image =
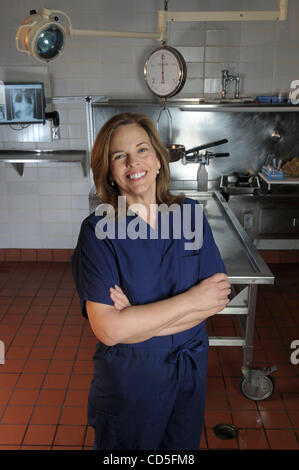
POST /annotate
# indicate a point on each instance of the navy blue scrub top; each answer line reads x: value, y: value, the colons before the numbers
x: 147, y: 270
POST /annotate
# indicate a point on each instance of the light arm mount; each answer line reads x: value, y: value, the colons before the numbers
x: 44, y: 35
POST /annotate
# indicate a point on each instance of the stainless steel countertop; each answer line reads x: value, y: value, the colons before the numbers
x: 243, y: 262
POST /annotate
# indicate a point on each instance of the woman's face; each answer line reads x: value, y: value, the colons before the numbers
x: 134, y: 164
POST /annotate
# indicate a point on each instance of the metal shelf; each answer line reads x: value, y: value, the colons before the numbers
x: 18, y: 158
x: 200, y: 104
x: 239, y: 107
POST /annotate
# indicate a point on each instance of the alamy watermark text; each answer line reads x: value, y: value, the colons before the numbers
x: 186, y: 222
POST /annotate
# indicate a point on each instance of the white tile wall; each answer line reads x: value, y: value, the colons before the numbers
x: 214, y: 69
x: 225, y: 37
x: 44, y: 208
x: 222, y: 54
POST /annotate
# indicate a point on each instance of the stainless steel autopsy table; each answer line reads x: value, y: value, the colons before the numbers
x: 245, y: 269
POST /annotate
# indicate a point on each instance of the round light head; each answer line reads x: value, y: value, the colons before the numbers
x: 41, y: 37
x: 47, y: 42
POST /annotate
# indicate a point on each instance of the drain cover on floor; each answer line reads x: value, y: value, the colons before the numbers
x: 225, y: 431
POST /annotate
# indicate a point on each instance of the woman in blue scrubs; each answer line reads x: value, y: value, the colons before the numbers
x: 146, y: 282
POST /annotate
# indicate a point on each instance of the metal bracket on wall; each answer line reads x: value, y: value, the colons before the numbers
x: 19, y: 167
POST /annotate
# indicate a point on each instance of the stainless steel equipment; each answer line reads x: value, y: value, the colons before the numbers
x: 196, y: 155
x: 248, y: 130
x: 239, y: 184
x: 271, y: 221
x: 267, y: 210
x: 178, y: 152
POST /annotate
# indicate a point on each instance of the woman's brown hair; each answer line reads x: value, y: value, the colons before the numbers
x: 100, y: 159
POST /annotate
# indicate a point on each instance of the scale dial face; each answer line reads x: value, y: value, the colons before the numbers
x: 165, y: 72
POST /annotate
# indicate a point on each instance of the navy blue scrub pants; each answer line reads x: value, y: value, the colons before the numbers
x: 150, y: 395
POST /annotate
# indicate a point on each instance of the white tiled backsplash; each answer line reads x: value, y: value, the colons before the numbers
x: 44, y: 208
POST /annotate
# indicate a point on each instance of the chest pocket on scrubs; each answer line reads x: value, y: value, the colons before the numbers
x: 189, y: 264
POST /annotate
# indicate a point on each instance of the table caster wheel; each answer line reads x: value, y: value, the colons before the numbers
x: 260, y: 390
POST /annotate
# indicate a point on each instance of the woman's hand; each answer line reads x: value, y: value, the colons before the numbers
x: 211, y: 293
x: 120, y: 300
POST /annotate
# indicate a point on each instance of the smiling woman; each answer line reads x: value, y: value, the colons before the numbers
x: 146, y: 298
x: 106, y: 159
x: 134, y: 164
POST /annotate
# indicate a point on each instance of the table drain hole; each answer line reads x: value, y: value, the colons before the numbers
x: 225, y: 431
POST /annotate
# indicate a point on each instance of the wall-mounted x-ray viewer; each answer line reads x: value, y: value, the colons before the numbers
x: 22, y: 103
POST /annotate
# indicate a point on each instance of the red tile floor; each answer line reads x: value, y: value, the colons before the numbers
x: 48, y: 364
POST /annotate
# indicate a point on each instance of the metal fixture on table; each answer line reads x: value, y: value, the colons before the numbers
x: 195, y: 155
x: 178, y: 152
x: 238, y: 184
x: 230, y: 78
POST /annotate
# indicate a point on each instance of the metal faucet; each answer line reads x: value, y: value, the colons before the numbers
x: 225, y: 78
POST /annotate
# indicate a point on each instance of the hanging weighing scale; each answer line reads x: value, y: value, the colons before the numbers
x: 165, y: 74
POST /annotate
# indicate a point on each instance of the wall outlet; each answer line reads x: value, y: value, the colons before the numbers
x: 55, y: 133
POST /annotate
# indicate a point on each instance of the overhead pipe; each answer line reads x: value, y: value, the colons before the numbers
x: 166, y: 16
x: 283, y: 6
x: 104, y: 33
x: 280, y: 15
x: 190, y: 16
